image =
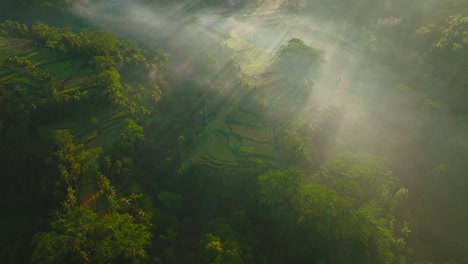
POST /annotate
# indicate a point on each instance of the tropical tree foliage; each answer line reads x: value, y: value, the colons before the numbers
x: 300, y: 64
x: 347, y: 207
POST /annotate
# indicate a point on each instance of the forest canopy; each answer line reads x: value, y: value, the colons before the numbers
x: 294, y: 131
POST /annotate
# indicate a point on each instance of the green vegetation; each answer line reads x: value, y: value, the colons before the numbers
x: 300, y: 64
x: 255, y: 133
x: 234, y: 132
x: 254, y: 60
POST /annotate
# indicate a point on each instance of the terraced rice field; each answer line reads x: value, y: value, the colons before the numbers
x: 256, y: 148
x: 64, y: 69
x: 255, y: 133
x: 104, y: 132
x: 237, y: 138
x: 215, y: 152
x: 14, y: 47
x: 69, y: 70
x: 254, y: 37
x: 218, y: 149
x: 235, y: 141
x: 92, y: 128
x: 71, y: 73
x: 244, y: 118
x: 254, y: 61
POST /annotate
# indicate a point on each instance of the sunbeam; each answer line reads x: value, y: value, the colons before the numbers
x: 233, y: 131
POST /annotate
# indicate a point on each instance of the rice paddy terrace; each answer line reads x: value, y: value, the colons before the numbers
x: 239, y: 137
x: 93, y: 127
x: 235, y: 142
x: 71, y: 75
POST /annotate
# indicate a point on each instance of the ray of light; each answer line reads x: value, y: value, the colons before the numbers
x: 253, y: 37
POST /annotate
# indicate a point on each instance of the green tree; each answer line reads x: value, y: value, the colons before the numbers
x: 352, y: 202
x: 67, y: 157
x: 361, y: 177
x: 43, y: 34
x: 131, y: 134
x: 120, y: 239
x: 170, y: 201
x: 11, y: 28
x: 71, y: 239
x: 299, y: 149
x: 72, y: 162
x: 222, y: 244
x: 80, y: 236
x: 109, y: 81
x: 103, y: 63
x: 300, y: 64
x: 100, y: 43
x: 343, y: 213
x: 219, y: 251
x: 445, y: 55
x: 277, y: 188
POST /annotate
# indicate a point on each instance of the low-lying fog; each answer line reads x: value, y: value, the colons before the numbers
x: 347, y: 77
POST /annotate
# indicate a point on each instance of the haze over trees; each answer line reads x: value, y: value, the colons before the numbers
x: 233, y: 131
x: 300, y: 64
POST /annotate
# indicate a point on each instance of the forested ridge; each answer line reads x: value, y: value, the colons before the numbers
x: 294, y: 131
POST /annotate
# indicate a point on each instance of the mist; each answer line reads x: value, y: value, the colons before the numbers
x: 243, y: 131
x: 189, y: 36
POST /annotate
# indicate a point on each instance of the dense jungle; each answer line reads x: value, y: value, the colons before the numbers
x: 234, y: 131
